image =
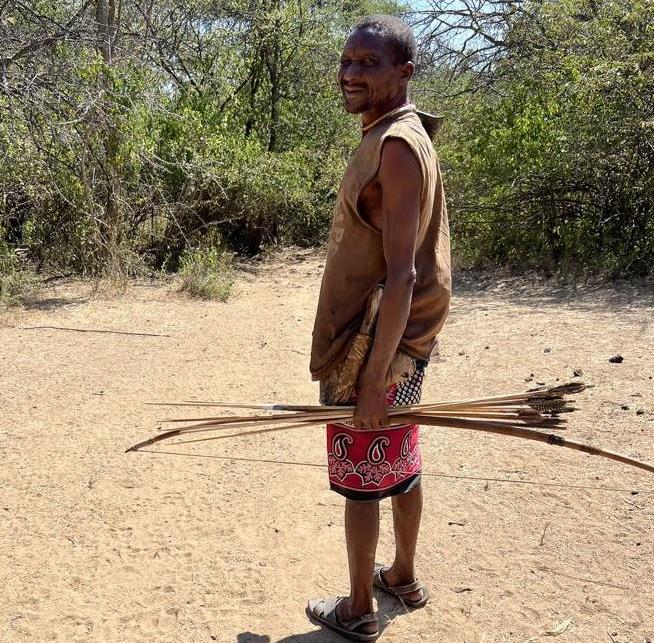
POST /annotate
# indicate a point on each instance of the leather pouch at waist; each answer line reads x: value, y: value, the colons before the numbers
x: 339, y: 385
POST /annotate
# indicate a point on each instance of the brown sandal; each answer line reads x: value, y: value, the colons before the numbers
x: 399, y: 591
x: 323, y: 612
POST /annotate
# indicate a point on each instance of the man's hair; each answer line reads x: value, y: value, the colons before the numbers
x: 396, y: 32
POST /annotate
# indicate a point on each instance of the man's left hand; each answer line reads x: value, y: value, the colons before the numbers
x: 371, y: 413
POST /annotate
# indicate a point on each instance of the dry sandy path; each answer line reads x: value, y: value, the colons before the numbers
x: 98, y: 545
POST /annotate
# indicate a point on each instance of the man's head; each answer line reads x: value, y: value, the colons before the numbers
x: 376, y: 64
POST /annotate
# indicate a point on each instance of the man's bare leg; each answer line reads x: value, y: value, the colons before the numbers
x: 361, y: 535
x: 407, y: 510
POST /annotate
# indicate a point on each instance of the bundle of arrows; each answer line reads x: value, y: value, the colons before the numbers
x: 531, y: 415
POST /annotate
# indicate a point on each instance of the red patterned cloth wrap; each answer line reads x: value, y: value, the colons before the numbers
x: 372, y: 465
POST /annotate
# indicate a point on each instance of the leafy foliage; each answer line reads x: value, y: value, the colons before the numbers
x: 129, y: 138
x: 207, y: 274
x: 553, y: 165
x: 17, y: 280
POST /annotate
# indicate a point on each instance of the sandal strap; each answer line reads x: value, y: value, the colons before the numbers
x: 406, y: 589
x: 329, y: 606
x: 361, y: 620
x: 396, y: 590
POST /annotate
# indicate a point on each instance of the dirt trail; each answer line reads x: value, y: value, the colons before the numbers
x: 222, y: 545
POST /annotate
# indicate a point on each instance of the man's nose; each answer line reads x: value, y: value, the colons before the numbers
x: 351, y: 72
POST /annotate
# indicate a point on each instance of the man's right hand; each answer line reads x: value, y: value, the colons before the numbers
x: 371, y: 412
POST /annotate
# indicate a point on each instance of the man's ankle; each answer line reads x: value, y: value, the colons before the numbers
x: 400, y: 574
x: 353, y: 608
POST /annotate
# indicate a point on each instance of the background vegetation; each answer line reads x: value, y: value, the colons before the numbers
x: 168, y: 134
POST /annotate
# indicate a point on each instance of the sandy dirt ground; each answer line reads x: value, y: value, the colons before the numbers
x: 225, y: 541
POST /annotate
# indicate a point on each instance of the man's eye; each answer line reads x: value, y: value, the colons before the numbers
x: 369, y: 62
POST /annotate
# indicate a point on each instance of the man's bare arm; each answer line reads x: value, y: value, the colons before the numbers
x: 401, y: 182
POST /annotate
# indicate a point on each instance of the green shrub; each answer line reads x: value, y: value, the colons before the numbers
x: 207, y: 274
x: 16, y: 287
x: 17, y: 281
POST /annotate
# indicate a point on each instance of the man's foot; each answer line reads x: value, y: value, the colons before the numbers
x: 336, y: 614
x: 410, y: 591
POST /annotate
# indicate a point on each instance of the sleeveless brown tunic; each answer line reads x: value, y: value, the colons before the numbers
x: 355, y: 257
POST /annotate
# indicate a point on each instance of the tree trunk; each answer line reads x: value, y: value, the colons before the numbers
x: 254, y: 88
x: 105, y: 15
x: 274, y: 108
x: 273, y: 62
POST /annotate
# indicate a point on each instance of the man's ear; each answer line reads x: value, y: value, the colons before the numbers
x: 407, y: 71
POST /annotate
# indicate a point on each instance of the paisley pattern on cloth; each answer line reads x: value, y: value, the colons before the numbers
x: 371, y: 465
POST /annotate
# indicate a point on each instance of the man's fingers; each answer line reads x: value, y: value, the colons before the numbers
x: 363, y: 423
x: 370, y: 423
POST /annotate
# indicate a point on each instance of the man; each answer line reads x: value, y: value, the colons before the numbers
x: 389, y: 227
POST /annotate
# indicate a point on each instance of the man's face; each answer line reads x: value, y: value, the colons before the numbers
x: 369, y: 75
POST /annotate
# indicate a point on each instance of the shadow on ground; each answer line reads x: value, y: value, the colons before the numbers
x: 535, y: 291
x: 53, y: 303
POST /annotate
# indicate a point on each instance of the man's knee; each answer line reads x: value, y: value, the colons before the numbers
x: 409, y: 498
